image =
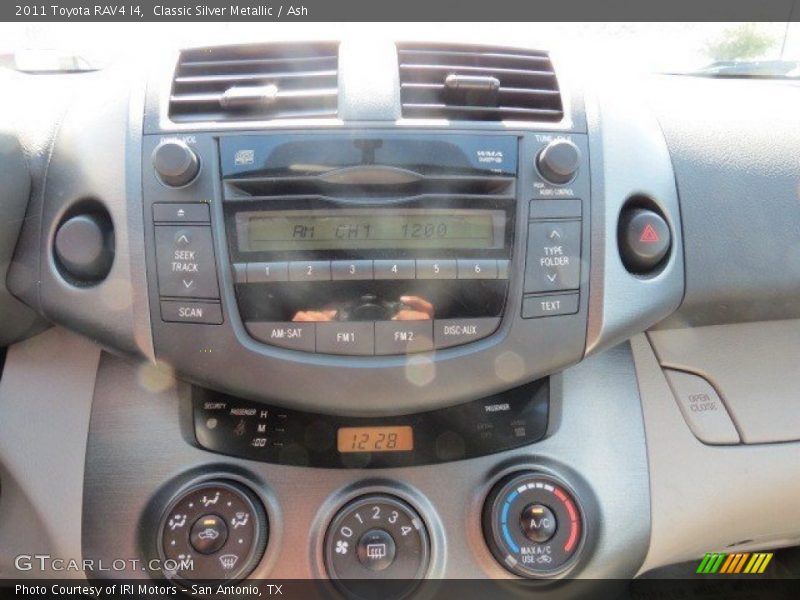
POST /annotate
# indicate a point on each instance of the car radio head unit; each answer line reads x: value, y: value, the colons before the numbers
x: 370, y: 245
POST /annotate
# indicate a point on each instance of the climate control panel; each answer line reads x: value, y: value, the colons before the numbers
x: 376, y: 537
x: 533, y: 525
x: 215, y: 530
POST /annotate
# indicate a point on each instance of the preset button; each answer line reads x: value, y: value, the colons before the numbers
x: 314, y: 270
x: 267, y: 272
x: 477, y: 269
x: 395, y: 269
x: 351, y: 270
x: 436, y: 269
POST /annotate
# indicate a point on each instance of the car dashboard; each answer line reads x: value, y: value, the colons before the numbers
x: 394, y: 312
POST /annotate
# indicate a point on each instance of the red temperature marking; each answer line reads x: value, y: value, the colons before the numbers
x: 573, y: 536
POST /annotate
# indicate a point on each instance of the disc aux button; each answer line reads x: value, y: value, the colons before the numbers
x: 454, y: 332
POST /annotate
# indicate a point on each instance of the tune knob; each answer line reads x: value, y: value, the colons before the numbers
x: 558, y: 162
x: 175, y: 163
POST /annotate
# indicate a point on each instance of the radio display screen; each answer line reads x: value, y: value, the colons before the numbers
x: 354, y: 229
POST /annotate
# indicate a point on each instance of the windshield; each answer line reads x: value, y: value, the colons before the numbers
x: 719, y: 49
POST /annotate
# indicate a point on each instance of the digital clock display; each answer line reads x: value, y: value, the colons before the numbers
x: 375, y: 439
x: 349, y: 229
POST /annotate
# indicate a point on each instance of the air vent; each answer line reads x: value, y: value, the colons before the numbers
x: 478, y: 83
x: 264, y: 82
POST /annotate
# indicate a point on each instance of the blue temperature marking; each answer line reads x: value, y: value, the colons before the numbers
x: 504, y: 522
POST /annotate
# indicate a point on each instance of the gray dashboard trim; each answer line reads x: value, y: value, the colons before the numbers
x: 754, y: 367
x: 607, y: 467
x: 16, y: 319
x: 703, y: 496
x: 629, y: 158
x: 45, y: 403
x: 734, y: 148
x: 97, y: 164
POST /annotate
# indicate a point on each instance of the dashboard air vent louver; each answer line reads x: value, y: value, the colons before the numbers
x: 264, y: 82
x: 477, y: 83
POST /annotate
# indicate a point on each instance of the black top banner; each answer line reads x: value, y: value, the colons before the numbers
x: 397, y: 10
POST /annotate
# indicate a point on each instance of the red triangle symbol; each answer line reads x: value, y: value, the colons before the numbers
x: 649, y: 235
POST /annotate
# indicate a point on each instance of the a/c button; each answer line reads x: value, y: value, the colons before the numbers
x: 453, y: 332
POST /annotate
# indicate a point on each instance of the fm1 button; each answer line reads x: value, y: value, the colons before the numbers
x: 538, y: 523
x: 376, y: 550
x: 644, y: 239
x: 209, y: 533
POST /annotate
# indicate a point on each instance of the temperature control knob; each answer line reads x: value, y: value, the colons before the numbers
x: 533, y: 525
x: 216, y: 530
x: 175, y: 163
x: 377, y: 544
x: 558, y: 162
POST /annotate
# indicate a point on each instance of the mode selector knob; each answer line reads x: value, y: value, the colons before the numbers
x: 175, y: 163
x: 558, y: 162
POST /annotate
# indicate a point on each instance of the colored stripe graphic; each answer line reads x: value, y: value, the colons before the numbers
x: 767, y: 558
x: 740, y: 562
x: 702, y: 566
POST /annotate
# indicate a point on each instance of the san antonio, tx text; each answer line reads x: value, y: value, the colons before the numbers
x: 146, y: 590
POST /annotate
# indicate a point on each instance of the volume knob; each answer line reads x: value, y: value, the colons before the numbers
x: 176, y: 163
x: 558, y: 161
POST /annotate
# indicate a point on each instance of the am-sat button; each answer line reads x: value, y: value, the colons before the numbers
x: 295, y: 336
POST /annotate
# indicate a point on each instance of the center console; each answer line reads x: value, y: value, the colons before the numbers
x: 362, y: 305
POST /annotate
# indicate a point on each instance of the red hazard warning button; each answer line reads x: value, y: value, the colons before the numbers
x: 644, y: 239
x: 649, y: 235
